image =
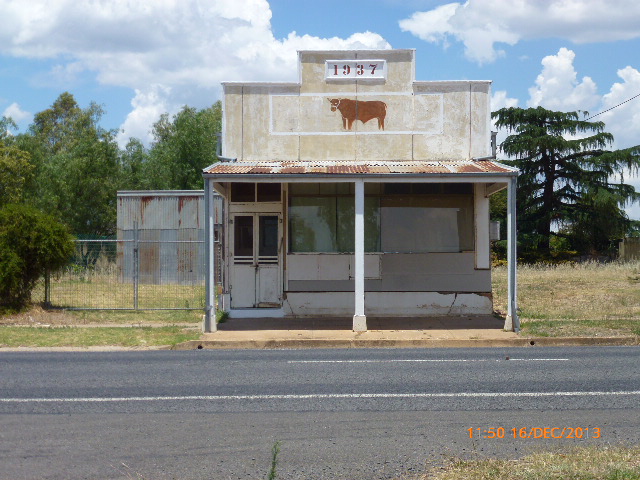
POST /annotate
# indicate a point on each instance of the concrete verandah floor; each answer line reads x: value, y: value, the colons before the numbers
x: 340, y: 329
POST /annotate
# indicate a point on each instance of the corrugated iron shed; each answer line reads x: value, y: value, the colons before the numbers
x: 170, y: 235
x: 163, y: 209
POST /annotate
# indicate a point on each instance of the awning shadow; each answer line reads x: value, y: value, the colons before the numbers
x: 482, y: 322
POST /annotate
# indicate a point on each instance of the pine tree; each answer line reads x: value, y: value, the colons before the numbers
x: 568, y: 177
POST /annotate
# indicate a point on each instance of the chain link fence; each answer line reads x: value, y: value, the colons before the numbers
x: 140, y: 273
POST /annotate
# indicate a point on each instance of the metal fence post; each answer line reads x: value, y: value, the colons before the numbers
x: 136, y: 264
x: 47, y: 290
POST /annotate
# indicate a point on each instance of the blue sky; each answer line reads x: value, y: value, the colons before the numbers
x: 140, y: 59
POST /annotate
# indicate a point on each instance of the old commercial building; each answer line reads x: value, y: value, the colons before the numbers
x: 358, y: 191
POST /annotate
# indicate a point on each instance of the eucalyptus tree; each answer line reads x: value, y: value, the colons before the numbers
x: 183, y: 145
x: 77, y: 169
x: 15, y: 165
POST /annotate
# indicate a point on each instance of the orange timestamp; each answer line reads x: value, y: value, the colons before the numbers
x: 535, y: 432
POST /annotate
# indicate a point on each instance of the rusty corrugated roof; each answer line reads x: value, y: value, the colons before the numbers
x: 358, y: 167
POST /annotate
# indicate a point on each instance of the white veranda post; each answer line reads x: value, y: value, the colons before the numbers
x: 512, y: 322
x: 359, y: 318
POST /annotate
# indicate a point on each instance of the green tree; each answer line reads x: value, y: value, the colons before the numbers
x: 133, y: 164
x: 6, y: 124
x: 599, y: 224
x: 566, y: 174
x: 31, y: 244
x: 77, y: 166
x: 183, y: 145
x: 15, y: 166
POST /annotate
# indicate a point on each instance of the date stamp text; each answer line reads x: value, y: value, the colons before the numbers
x: 535, y: 432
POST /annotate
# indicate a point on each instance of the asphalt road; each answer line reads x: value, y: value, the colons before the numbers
x: 338, y: 414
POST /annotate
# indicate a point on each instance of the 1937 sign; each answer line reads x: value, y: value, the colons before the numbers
x: 356, y: 69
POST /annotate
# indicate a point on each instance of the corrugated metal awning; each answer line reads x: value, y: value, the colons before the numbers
x: 359, y: 168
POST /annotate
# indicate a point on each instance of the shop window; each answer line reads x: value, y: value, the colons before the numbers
x: 405, y: 218
x: 312, y: 224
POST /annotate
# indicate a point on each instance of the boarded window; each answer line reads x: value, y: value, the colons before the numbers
x: 251, y: 192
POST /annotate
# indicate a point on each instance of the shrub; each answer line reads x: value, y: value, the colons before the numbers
x: 31, y: 244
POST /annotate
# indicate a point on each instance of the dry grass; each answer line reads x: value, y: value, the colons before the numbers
x: 36, y: 316
x: 584, y: 463
x: 99, y: 290
x: 99, y: 336
x: 587, y: 299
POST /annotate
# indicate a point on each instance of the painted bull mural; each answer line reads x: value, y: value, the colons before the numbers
x: 353, y: 110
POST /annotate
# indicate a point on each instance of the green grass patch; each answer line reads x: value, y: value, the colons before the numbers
x: 94, y: 336
x: 221, y: 316
x: 584, y: 463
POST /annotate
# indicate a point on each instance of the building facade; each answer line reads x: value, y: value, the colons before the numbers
x: 358, y: 191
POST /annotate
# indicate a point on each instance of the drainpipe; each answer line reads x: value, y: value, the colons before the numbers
x: 494, y: 149
x: 219, y: 150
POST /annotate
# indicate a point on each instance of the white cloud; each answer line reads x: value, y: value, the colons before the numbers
x: 623, y: 121
x: 147, y: 105
x: 557, y: 87
x: 480, y: 25
x: 500, y: 100
x: 183, y: 47
x: 16, y: 113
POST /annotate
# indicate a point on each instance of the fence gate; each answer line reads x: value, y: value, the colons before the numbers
x: 139, y: 273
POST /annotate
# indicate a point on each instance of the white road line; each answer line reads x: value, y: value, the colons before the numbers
x: 434, y: 360
x: 321, y: 396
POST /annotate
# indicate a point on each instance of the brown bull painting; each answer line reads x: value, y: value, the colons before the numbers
x: 353, y: 110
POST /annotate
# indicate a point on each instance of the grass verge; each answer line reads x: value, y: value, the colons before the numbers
x: 37, y: 316
x: 580, y: 463
x: 91, y: 337
x: 580, y: 328
x: 585, y: 299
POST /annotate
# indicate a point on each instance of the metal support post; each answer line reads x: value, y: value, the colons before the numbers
x: 209, y: 323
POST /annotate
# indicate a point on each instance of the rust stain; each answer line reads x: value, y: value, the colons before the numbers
x: 469, y: 169
x: 492, y: 167
x: 144, y: 203
x: 261, y: 170
x: 379, y: 169
x: 292, y: 169
x: 348, y: 169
